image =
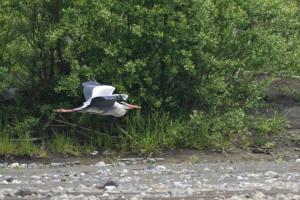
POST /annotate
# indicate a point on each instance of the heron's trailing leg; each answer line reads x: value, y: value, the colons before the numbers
x: 64, y: 110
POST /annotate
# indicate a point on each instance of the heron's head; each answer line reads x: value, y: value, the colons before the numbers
x: 128, y: 106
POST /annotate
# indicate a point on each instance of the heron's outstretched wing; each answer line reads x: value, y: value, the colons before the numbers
x: 103, y: 102
x: 93, y: 89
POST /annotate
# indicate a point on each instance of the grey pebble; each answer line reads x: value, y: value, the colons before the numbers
x: 109, y: 188
x: 100, y: 164
x: 25, y: 191
x: 9, y: 193
x: 58, y: 164
x: 151, y: 167
x: 160, y: 167
x: 35, y: 177
x: 13, y: 165
x: 99, y: 172
x: 48, y: 194
x: 189, y: 191
x: 32, y: 165
x: 110, y: 183
x: 10, y: 179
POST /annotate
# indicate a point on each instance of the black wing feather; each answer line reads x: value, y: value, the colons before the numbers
x: 102, y: 103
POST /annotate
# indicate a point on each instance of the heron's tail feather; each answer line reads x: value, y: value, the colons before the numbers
x: 64, y: 110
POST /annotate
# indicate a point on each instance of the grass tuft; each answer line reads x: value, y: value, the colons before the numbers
x: 147, y: 134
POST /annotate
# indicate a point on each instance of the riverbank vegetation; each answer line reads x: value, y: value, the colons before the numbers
x: 199, y: 69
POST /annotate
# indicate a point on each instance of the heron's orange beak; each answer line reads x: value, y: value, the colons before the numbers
x: 133, y: 106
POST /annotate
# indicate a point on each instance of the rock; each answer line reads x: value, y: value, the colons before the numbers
x: 35, y: 177
x: 8, y: 193
x: 241, y: 178
x: 125, y: 171
x: 206, y: 169
x: 4, y: 183
x: 142, y: 194
x: 94, y: 153
x: 224, y: 186
x: 99, y: 186
x: 110, y: 183
x: 23, y: 165
x: 258, y: 195
x: 280, y: 196
x: 13, y: 165
x: 160, y: 168
x: 63, y: 196
x: 151, y: 167
x: 189, y: 191
x: 100, y: 164
x: 105, y: 195
x: 177, y: 184
x: 170, y: 193
x: 272, y: 180
x: 81, y: 196
x: 25, y: 192
x: 128, y: 162
x: 75, y: 162
x: 32, y: 165
x: 48, y: 194
x: 81, y: 186
x: 10, y: 179
x: 60, y: 188
x: 110, y: 188
x: 58, y: 164
x: 99, y: 172
x: 298, y: 161
x: 290, y: 176
x: 270, y: 173
x: 5, y: 164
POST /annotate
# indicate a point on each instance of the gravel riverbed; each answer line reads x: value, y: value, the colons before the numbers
x: 245, y: 180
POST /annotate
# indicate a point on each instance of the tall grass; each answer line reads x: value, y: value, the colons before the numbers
x: 146, y: 134
x: 7, y: 146
x: 62, y: 143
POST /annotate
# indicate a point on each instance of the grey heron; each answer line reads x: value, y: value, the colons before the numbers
x: 101, y: 100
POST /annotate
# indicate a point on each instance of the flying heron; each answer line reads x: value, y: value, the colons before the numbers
x: 101, y: 100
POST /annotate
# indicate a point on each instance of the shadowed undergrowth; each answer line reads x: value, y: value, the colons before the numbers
x: 142, y: 134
